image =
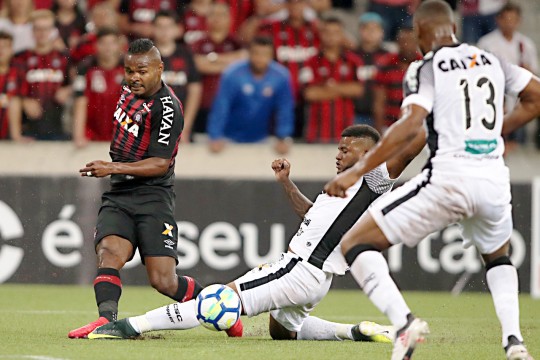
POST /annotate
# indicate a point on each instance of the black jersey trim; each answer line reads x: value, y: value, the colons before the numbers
x: 408, y: 196
x: 345, y: 220
x: 270, y: 277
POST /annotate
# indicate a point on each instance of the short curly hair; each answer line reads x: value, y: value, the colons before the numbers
x: 140, y: 46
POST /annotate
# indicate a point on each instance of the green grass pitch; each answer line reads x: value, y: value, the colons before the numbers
x: 35, y: 320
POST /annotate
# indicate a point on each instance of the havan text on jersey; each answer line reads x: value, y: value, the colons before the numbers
x: 166, y: 120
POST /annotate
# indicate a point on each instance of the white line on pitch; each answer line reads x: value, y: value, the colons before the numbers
x: 33, y: 357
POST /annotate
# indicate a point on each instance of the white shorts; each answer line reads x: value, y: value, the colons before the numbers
x: 290, y: 287
x: 431, y: 201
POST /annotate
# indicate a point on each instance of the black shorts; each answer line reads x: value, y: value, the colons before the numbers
x: 144, y: 215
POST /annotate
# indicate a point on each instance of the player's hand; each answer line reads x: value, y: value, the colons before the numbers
x: 282, y: 169
x: 339, y: 185
x: 97, y: 168
x: 217, y: 146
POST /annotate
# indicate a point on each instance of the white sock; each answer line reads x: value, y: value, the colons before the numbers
x: 502, y: 281
x: 370, y: 271
x: 177, y: 316
x: 314, y: 328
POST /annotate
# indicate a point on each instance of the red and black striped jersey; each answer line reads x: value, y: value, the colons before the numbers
x: 328, y: 118
x: 180, y: 71
x: 8, y: 89
x: 145, y: 128
x: 101, y: 87
x: 371, y: 61
x: 294, y: 46
x: 195, y: 27
x: 211, y: 82
x: 42, y: 75
x: 390, y: 78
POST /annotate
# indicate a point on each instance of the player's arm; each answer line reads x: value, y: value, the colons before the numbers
x: 320, y: 93
x: 398, y: 163
x: 300, y: 203
x: 150, y: 167
x: 527, y: 108
x: 398, y: 137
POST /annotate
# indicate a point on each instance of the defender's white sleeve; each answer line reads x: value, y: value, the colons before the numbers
x: 419, y: 85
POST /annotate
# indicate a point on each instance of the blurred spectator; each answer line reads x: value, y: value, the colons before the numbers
x: 213, y: 53
x: 195, y: 20
x: 240, y: 11
x: 478, y: 18
x: 514, y: 47
x: 180, y: 71
x: 96, y: 88
x: 331, y: 84
x: 136, y: 16
x: 45, y: 84
x: 251, y: 93
x: 8, y: 86
x: 373, y: 55
x: 396, y: 14
x: 102, y: 16
x: 91, y: 3
x: 17, y: 22
x: 70, y: 21
x: 388, y: 80
x: 296, y: 40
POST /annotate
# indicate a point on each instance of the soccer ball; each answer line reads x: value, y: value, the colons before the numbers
x: 218, y: 307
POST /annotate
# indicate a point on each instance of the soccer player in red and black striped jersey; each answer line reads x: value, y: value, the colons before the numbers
x: 138, y: 211
x: 388, y: 93
x: 97, y: 87
x: 8, y: 85
x: 331, y: 83
x: 45, y: 87
x: 180, y: 72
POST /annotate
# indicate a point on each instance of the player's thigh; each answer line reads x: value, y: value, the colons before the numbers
x: 284, y: 283
x: 115, y: 232
x: 157, y: 232
x: 491, y: 226
x: 423, y: 205
x: 292, y: 318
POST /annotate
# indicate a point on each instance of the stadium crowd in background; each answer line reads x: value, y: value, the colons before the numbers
x: 56, y: 80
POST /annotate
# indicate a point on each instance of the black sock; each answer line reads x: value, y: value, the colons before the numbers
x: 108, y: 288
x: 188, y: 288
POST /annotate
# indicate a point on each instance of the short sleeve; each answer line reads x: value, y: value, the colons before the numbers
x: 515, y: 78
x: 419, y: 85
x: 378, y: 180
x: 166, y: 127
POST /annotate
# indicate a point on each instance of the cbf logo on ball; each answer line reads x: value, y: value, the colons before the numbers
x: 218, y: 307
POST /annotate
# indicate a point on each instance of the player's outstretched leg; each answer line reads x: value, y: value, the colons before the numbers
x: 177, y: 316
x: 314, y: 328
x: 503, y: 284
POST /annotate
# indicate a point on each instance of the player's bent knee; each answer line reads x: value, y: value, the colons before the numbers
x: 503, y: 260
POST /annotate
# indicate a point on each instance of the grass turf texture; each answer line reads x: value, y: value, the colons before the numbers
x: 35, y: 320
